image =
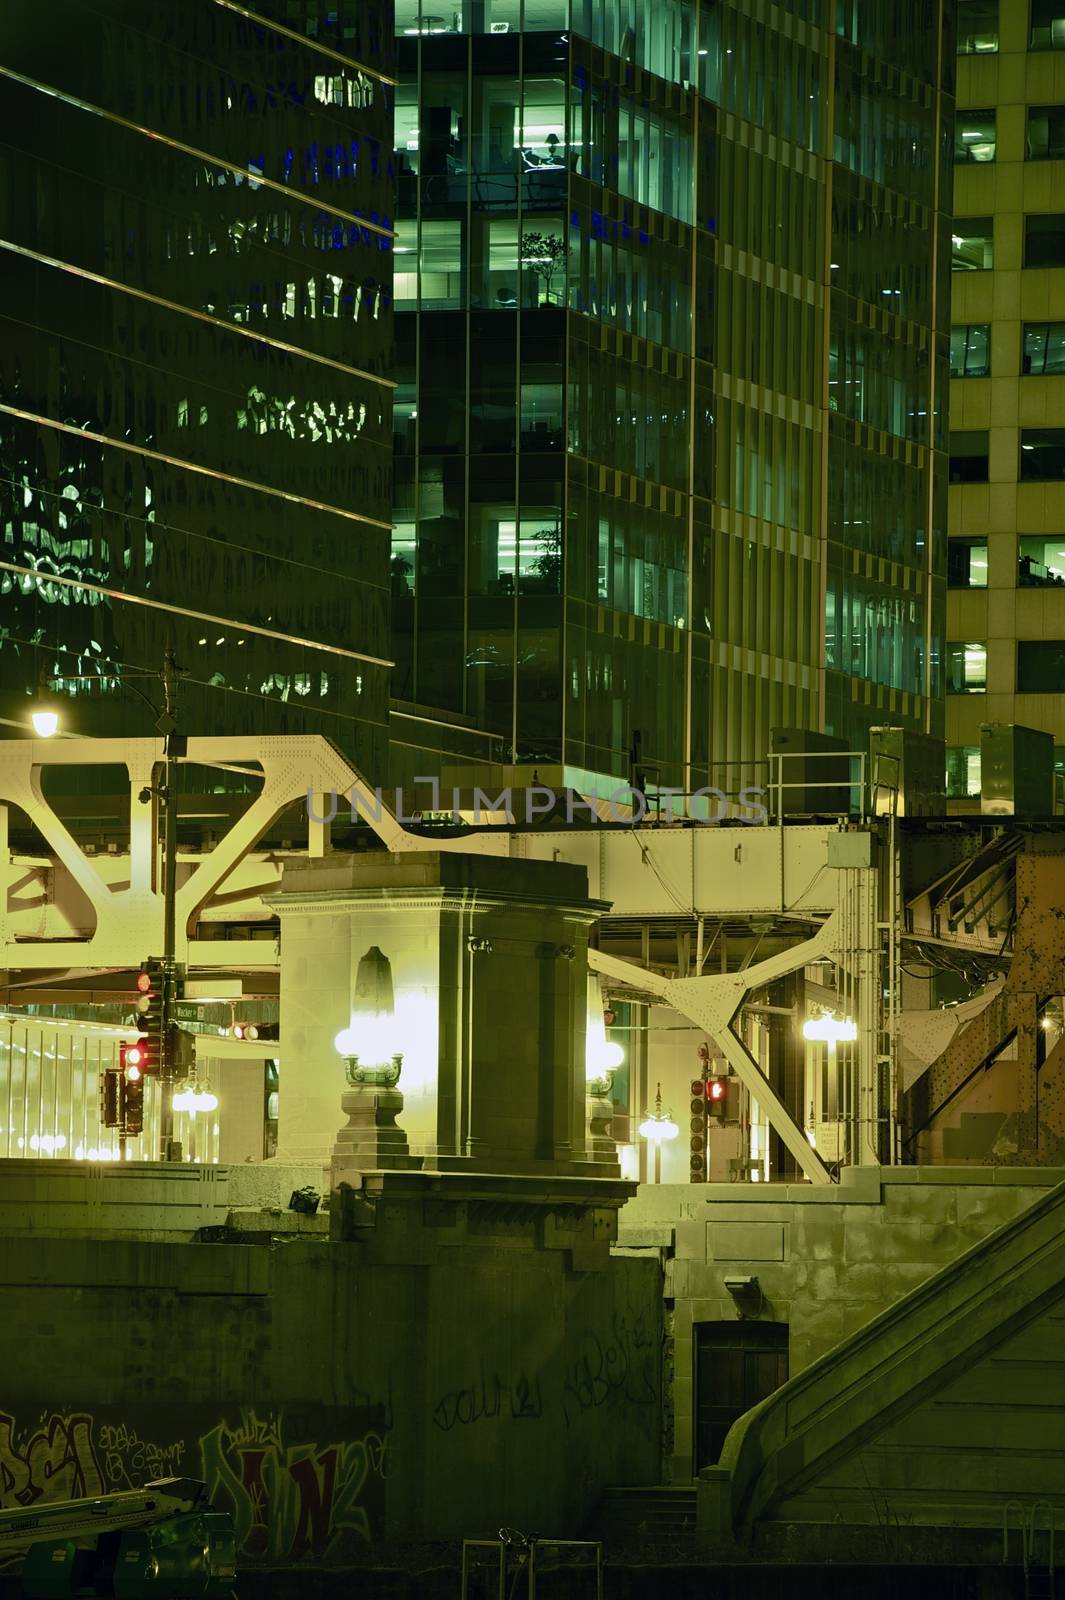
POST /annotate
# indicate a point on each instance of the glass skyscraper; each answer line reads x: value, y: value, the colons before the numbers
x: 195, y: 390
x: 671, y: 295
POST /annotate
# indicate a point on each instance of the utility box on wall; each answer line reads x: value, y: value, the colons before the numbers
x: 907, y: 771
x: 1016, y: 771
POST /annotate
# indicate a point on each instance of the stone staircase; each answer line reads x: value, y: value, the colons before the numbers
x: 933, y: 1415
x: 649, y: 1516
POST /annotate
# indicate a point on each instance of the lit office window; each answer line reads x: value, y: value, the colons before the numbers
x: 969, y: 456
x: 1048, y: 25
x: 1044, y: 240
x: 966, y: 667
x: 1046, y: 133
x: 405, y: 282
x: 970, y: 350
x: 1041, y: 562
x: 972, y: 244
x: 974, y: 135
x: 1043, y: 349
x: 1041, y: 666
x: 967, y: 563
x: 1042, y: 455
x: 977, y: 27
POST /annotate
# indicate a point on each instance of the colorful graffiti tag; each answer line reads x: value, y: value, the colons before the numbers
x: 53, y: 1460
x: 291, y: 1502
x: 293, y: 1498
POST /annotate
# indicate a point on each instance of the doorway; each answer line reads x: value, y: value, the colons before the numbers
x: 736, y: 1365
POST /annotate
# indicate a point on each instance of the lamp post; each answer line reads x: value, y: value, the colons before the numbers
x: 45, y: 721
x: 372, y: 1140
x: 193, y: 1097
x: 831, y: 1030
x: 602, y: 1058
x: 658, y: 1128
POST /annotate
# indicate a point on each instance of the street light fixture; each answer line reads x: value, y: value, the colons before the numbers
x: 830, y: 1029
x: 45, y: 722
x: 368, y: 1044
x: 658, y: 1128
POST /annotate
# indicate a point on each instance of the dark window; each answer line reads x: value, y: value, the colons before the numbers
x: 972, y: 244
x: 736, y: 1365
x: 974, y: 135
x: 1044, y: 240
x: 966, y: 666
x: 970, y: 350
x: 1043, y: 349
x: 977, y: 27
x: 1041, y: 666
x: 1048, y: 25
x: 968, y: 457
x: 1042, y: 455
x: 967, y: 563
x: 1041, y: 563
x: 1046, y: 133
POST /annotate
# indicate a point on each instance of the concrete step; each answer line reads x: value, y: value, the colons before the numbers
x: 665, y: 1512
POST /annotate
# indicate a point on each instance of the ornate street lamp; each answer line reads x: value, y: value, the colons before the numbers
x: 658, y: 1128
x: 368, y: 1043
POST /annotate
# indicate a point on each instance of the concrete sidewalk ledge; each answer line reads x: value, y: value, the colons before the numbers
x: 662, y: 1204
x: 149, y: 1200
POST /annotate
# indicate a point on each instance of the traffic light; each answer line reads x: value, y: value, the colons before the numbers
x: 131, y: 1101
x: 697, y: 1146
x: 151, y: 986
x: 716, y: 1098
x: 110, y: 1093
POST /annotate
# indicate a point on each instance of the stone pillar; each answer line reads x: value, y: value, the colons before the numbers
x: 489, y: 966
x: 315, y: 1004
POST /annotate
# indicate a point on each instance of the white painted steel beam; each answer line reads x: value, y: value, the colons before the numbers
x: 112, y: 916
x: 712, y: 1004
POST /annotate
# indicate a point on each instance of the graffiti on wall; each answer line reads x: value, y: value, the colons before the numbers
x: 489, y: 1395
x: 299, y: 1490
x: 292, y: 1502
x: 128, y: 1460
x: 53, y: 1459
x: 617, y: 1364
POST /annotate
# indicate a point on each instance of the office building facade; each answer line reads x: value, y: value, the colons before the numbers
x: 671, y: 295
x: 195, y: 412
x: 1006, y: 605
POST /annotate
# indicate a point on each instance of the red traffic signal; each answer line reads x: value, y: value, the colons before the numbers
x: 144, y: 981
x: 139, y: 1059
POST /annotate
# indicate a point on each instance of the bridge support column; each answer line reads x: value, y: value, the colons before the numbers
x: 488, y: 1009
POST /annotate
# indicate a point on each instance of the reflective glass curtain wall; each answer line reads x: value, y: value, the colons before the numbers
x: 625, y: 331
x: 195, y: 387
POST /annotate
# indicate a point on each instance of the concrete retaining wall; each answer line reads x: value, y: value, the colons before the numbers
x: 336, y: 1405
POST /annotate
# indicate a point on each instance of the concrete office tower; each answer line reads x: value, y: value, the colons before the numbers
x: 195, y: 235
x: 671, y: 321
x: 1006, y: 606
